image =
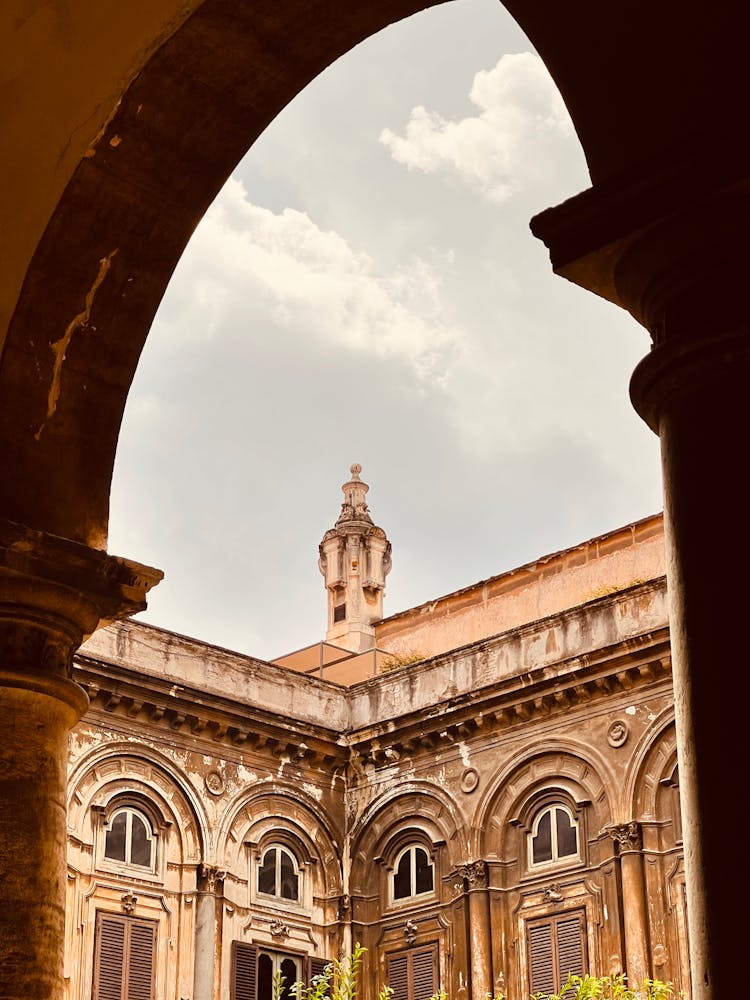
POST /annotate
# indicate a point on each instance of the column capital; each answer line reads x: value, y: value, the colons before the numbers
x: 475, y: 872
x: 628, y: 837
x: 54, y: 593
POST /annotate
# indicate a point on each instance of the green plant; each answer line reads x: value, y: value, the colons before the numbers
x: 609, y: 988
x: 338, y: 981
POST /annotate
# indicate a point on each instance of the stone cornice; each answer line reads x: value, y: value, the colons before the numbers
x: 520, y: 700
x: 516, y: 700
x: 210, y: 718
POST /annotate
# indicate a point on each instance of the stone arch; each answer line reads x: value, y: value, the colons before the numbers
x: 413, y: 808
x: 654, y: 762
x: 138, y: 175
x: 127, y: 770
x: 574, y: 770
x: 280, y: 811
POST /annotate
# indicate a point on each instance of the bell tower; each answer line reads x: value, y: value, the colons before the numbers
x: 355, y: 558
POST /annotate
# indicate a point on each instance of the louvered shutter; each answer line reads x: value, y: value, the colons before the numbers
x: 109, y: 957
x: 569, y: 946
x: 424, y: 973
x: 413, y: 974
x: 316, y: 967
x: 557, y: 949
x: 541, y: 958
x: 244, y: 971
x: 124, y: 958
x: 141, y: 952
x: 398, y: 976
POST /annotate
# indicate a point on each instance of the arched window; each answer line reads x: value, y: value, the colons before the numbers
x: 553, y: 837
x: 130, y: 839
x: 413, y: 873
x: 278, y: 873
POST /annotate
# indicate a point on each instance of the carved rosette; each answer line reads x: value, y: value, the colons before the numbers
x: 475, y: 873
x: 627, y: 836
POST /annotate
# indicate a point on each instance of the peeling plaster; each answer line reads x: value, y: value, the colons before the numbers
x: 60, y: 347
x: 312, y: 790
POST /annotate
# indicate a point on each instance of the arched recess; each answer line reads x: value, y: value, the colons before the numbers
x: 125, y: 772
x: 183, y: 100
x: 415, y: 808
x: 279, y: 813
x: 653, y: 782
x: 578, y: 775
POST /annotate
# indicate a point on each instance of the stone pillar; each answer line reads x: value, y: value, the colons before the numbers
x: 53, y: 593
x: 628, y: 843
x: 480, y: 944
x: 668, y: 241
x: 208, y: 909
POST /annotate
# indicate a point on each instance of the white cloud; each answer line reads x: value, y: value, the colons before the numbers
x: 521, y: 129
x: 297, y: 276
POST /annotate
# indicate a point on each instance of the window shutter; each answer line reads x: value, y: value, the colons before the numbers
x: 124, y: 958
x: 244, y: 971
x: 569, y: 947
x: 541, y: 963
x: 413, y: 974
x: 398, y: 976
x: 424, y: 973
x: 557, y: 948
x: 109, y: 957
x: 316, y: 967
x: 141, y: 961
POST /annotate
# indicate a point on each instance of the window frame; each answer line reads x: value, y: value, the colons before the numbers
x: 556, y: 860
x: 276, y: 897
x: 411, y: 849
x: 152, y: 837
x: 157, y: 827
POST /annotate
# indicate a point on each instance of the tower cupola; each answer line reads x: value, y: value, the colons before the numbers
x: 355, y: 558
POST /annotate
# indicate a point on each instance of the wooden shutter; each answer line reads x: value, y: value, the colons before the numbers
x: 398, y: 976
x: 244, y: 971
x: 424, y: 973
x: 557, y: 949
x: 413, y: 974
x: 316, y: 967
x: 124, y: 956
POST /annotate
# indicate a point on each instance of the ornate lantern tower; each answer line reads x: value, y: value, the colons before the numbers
x: 355, y: 558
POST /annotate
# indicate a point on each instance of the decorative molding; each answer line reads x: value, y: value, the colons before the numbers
x: 618, y: 733
x: 410, y: 932
x: 469, y: 780
x: 129, y: 901
x: 553, y: 894
x: 475, y: 872
x: 210, y: 877
x: 627, y: 836
x: 214, y: 781
x: 278, y: 929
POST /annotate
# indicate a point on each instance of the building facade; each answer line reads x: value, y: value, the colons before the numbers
x: 487, y: 798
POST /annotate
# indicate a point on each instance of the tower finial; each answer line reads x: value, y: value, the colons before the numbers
x: 355, y: 558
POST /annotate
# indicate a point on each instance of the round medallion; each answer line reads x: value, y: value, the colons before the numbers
x: 617, y: 733
x: 469, y: 780
x: 214, y: 782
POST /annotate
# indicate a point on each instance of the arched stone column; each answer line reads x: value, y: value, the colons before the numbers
x: 480, y: 945
x: 52, y: 594
x: 208, y: 924
x: 629, y: 844
x: 668, y: 242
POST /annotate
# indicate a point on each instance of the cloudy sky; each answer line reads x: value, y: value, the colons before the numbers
x: 366, y: 289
